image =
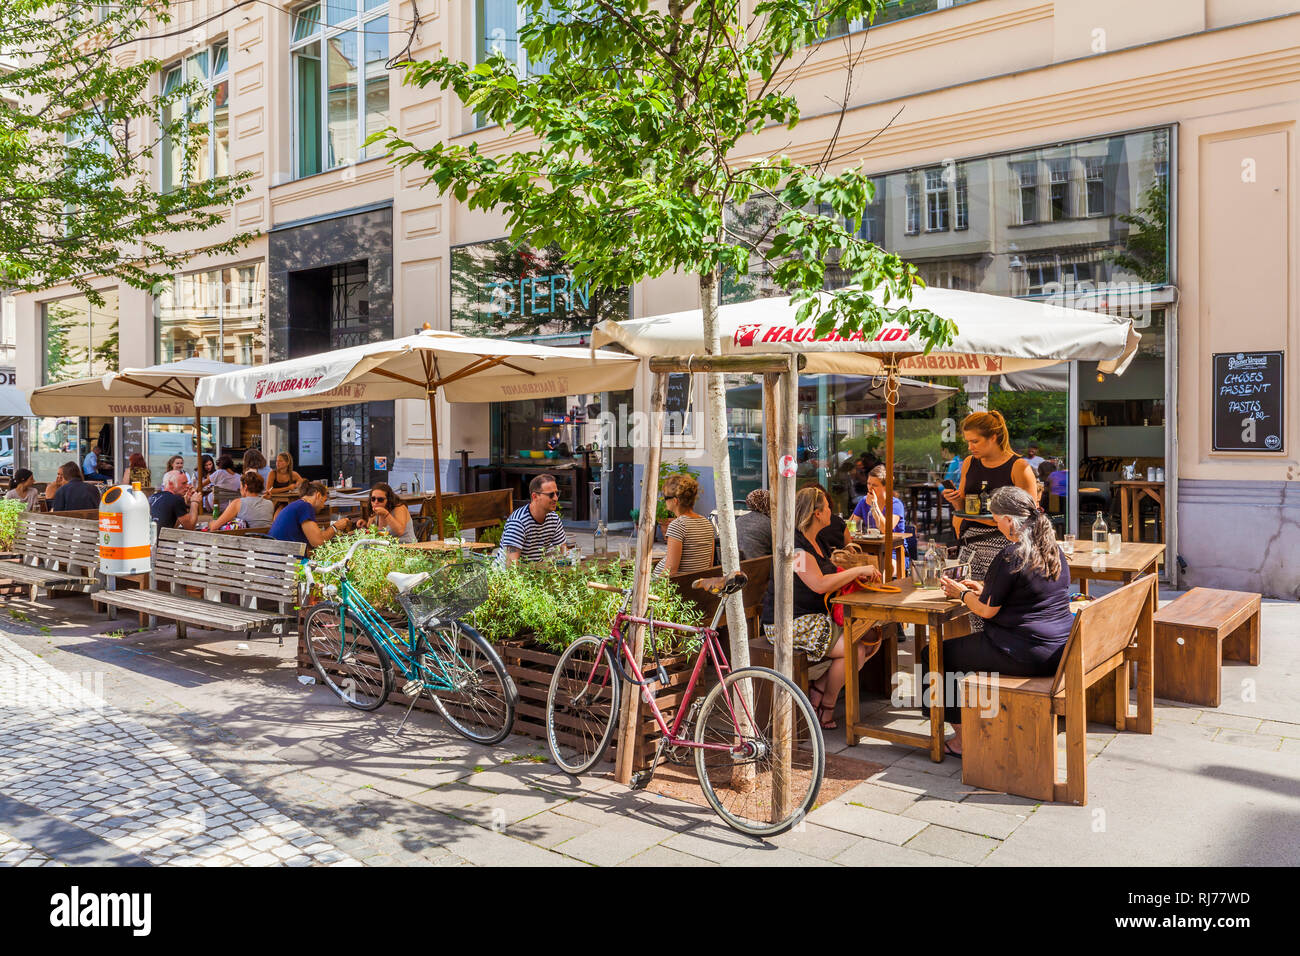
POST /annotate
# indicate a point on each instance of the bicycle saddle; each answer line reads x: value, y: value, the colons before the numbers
x: 732, y: 583
x: 404, y: 582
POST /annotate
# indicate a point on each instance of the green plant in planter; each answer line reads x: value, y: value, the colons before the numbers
x: 553, y: 606
x: 370, y: 566
x: 10, y: 511
x: 491, y: 535
x: 451, y: 524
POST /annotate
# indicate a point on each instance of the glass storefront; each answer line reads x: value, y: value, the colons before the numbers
x: 1082, y: 224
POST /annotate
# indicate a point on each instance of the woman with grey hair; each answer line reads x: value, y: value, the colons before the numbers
x: 1024, y: 602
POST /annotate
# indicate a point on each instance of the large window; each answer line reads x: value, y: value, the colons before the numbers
x: 340, y: 82
x: 80, y: 338
x: 217, y: 315
x: 206, y: 110
x: 893, y: 10
x: 497, y: 25
x: 936, y: 200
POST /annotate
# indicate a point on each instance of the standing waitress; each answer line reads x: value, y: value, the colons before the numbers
x: 992, y: 464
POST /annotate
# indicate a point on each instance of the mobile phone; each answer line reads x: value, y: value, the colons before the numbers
x: 947, y: 483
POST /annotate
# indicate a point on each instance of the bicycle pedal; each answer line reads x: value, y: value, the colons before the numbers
x: 412, y: 688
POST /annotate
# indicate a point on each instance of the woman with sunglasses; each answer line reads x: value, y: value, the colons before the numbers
x: 387, y: 513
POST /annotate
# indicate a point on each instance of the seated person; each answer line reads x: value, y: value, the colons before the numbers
x: 250, y: 509
x: 137, y: 469
x: 297, y: 520
x: 816, y: 579
x: 223, y: 477
x: 836, y: 533
x: 871, y: 509
x: 689, y: 534
x: 91, y: 468
x: 535, y: 528
x: 25, y: 489
x: 1024, y: 602
x: 73, y: 493
x: 388, y: 514
x: 282, y: 477
x: 1044, y: 476
x: 754, y: 527
x: 175, y: 504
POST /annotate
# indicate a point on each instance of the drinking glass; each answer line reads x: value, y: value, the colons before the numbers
x: 1067, y: 545
x: 1115, y: 541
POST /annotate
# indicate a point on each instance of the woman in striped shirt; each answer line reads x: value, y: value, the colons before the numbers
x: 690, y: 535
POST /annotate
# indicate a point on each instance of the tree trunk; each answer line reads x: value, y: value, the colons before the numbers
x: 718, y: 445
x: 742, y: 777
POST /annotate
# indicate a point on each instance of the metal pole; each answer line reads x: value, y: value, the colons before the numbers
x: 437, y: 468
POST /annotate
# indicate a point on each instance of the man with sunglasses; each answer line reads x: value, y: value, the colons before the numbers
x: 535, y: 528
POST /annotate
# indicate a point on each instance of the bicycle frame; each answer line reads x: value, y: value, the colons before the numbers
x: 393, y: 643
x: 712, y: 649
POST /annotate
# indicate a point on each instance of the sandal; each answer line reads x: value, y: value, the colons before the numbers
x: 826, y: 717
x: 947, y: 748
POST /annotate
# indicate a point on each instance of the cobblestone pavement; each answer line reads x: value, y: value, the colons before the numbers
x: 17, y: 853
x: 71, y: 757
x: 1209, y: 787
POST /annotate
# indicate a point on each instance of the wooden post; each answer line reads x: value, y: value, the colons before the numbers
x: 783, y: 576
x: 629, y: 720
x: 198, y: 451
x: 771, y: 415
x: 437, y: 467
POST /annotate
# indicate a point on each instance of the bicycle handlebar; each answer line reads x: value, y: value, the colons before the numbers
x: 602, y: 586
x: 341, y: 562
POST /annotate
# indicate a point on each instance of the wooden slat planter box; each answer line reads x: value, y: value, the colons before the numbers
x: 531, y: 668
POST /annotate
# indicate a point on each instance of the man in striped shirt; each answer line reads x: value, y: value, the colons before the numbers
x: 534, y: 528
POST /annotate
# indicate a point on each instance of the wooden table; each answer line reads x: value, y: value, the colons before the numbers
x: 1135, y: 559
x: 931, y: 612
x: 1131, y: 494
x: 876, y: 546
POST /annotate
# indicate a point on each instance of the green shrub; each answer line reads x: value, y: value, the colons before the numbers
x: 555, y: 607
x: 10, y: 510
x: 370, y: 566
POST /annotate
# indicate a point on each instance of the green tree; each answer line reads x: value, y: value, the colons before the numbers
x: 641, y: 114
x: 78, y: 132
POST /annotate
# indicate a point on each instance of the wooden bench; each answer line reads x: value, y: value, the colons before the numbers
x: 56, y: 552
x: 1195, y: 634
x: 759, y: 572
x: 1013, y: 749
x: 260, y: 573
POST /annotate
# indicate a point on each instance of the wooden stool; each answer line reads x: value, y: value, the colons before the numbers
x: 1194, y: 634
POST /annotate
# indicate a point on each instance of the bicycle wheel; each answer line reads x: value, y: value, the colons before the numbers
x: 349, y: 661
x: 582, y: 705
x: 482, y: 704
x: 742, y: 784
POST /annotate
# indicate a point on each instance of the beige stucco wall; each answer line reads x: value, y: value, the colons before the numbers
x: 984, y: 77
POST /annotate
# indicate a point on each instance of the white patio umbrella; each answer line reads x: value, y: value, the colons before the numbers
x: 157, y: 391
x: 465, y: 368
x: 13, y: 406
x: 995, y: 335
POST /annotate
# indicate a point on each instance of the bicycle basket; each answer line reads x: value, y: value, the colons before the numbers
x: 451, y: 593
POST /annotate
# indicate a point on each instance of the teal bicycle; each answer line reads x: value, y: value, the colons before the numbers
x: 358, y: 654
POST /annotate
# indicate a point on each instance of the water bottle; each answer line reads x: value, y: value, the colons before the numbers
x: 1099, y: 532
x: 340, y: 484
x: 933, y: 567
x: 600, y: 540
x: 984, y: 497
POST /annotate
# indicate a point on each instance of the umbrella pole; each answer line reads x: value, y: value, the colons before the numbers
x: 891, y: 399
x: 437, y: 468
x: 198, y: 449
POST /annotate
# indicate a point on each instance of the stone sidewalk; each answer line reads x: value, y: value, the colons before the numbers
x: 229, y: 718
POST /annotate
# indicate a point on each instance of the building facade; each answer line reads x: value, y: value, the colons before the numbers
x: 1133, y: 158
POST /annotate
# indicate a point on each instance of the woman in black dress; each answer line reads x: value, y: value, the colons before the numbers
x: 1023, y: 601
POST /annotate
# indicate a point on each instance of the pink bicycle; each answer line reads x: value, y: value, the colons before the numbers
x: 759, y: 753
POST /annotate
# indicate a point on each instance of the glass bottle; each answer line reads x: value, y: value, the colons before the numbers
x: 600, y: 540
x: 933, y: 567
x: 1099, y: 532
x: 984, y: 497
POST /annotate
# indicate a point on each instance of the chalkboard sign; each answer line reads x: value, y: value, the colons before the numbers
x: 1248, y: 401
x: 132, y: 436
x: 677, y: 404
